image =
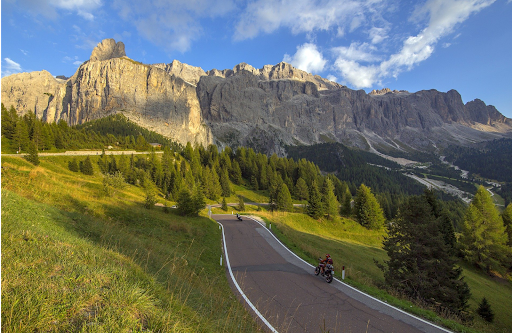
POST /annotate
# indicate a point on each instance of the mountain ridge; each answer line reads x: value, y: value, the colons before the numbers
x: 266, y: 108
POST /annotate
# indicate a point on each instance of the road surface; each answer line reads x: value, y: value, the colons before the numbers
x: 285, y: 291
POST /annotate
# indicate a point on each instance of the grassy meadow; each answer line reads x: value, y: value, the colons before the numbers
x: 74, y: 259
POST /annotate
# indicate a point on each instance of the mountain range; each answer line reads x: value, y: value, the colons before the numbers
x: 266, y: 109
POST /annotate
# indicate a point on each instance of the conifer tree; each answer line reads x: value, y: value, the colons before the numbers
x: 346, y: 208
x: 185, y: 203
x: 420, y: 263
x: 224, y: 204
x: 32, y: 156
x: 20, y: 138
x: 236, y: 173
x: 484, y: 236
x: 367, y: 209
x: 86, y: 167
x: 254, y: 183
x: 507, y: 221
x: 314, y: 208
x: 331, y: 204
x: 301, y: 189
x: 73, y: 165
x: 224, y: 183
x: 241, y: 204
x: 484, y: 310
x: 198, y: 200
x: 284, y: 199
x: 151, y: 194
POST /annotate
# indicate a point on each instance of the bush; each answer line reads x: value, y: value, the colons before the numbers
x: 73, y: 165
x: 112, y: 182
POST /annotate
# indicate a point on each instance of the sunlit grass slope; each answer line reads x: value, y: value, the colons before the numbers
x: 75, y: 260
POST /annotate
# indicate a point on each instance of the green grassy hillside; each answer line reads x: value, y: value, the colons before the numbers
x: 74, y: 259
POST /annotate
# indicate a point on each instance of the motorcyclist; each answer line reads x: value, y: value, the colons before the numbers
x: 324, y: 262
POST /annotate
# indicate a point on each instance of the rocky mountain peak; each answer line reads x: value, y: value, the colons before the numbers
x: 385, y: 91
x: 187, y: 73
x: 108, y: 49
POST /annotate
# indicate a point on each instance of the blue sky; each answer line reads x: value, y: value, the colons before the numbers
x: 365, y: 44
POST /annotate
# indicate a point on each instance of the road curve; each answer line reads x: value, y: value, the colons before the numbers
x: 285, y: 291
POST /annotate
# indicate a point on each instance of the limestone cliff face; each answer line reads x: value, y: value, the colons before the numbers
x: 264, y: 108
x: 267, y: 112
x: 108, y: 83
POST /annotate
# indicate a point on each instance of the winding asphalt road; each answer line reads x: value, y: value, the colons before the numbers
x: 285, y: 291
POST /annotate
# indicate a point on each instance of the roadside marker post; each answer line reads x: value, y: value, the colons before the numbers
x: 343, y: 273
x: 221, y: 259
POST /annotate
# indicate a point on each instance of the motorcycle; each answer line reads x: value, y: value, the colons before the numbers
x: 328, y: 271
x: 239, y: 217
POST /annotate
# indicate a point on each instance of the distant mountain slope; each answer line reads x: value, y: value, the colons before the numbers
x: 265, y: 108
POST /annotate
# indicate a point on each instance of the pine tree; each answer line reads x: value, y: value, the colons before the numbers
x: 507, y: 221
x: 32, y: 156
x: 20, y: 138
x: 420, y: 263
x: 151, y: 194
x: 73, y: 165
x: 484, y: 310
x: 185, y: 203
x: 224, y: 183
x: 198, y: 200
x: 241, y: 204
x: 314, y: 208
x: 484, y: 236
x: 284, y: 199
x: 346, y: 208
x: 254, y: 183
x: 224, y: 204
x: 86, y: 167
x: 331, y: 204
x: 236, y: 173
x: 301, y: 189
x: 9, y: 120
x: 367, y: 209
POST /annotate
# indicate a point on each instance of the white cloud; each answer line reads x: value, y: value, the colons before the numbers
x: 24, y: 52
x: 332, y: 78
x: 173, y: 25
x: 11, y: 67
x: 357, y: 75
x: 377, y: 35
x: 356, y: 52
x: 266, y: 16
x: 48, y: 8
x: 307, y: 58
x: 78, y: 63
x: 442, y: 17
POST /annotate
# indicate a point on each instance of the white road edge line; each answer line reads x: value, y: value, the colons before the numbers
x: 359, y: 291
x: 238, y: 287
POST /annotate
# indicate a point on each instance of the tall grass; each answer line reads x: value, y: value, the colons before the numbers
x: 74, y: 259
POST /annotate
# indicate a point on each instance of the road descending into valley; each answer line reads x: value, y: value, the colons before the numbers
x: 284, y: 290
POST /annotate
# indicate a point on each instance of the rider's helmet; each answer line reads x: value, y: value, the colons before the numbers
x: 327, y: 256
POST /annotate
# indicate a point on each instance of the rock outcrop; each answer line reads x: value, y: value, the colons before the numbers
x: 108, y: 49
x: 265, y: 108
x: 147, y: 95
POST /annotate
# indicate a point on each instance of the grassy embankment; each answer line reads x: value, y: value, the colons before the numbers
x: 74, y: 259
x: 354, y: 247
